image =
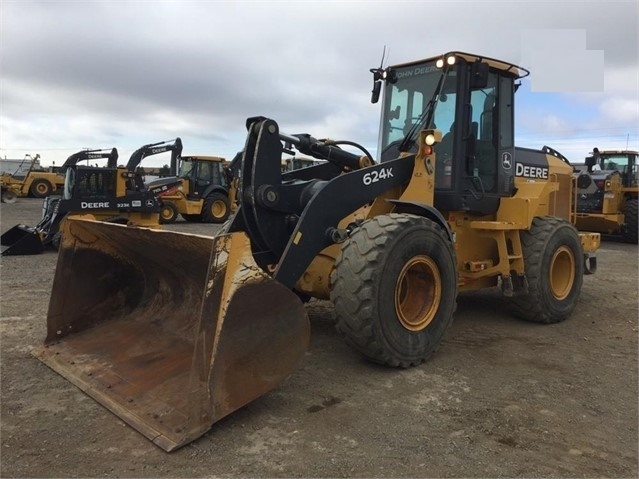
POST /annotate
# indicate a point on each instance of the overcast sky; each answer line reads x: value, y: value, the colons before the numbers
x: 103, y: 74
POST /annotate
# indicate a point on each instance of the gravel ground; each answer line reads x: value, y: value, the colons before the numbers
x: 501, y: 398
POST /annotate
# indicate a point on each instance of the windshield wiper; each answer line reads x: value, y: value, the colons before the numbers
x: 424, y: 118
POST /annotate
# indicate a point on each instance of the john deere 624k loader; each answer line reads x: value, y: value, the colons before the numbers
x: 180, y: 330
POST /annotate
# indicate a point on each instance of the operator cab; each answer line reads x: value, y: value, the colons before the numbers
x: 470, y: 100
x: 89, y: 182
x: 201, y: 173
x: 623, y: 161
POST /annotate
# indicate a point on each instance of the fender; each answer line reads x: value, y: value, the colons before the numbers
x: 215, y: 189
x: 427, y: 211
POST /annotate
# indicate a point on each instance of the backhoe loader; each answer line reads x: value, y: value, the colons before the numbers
x: 181, y: 330
x: 95, y: 192
x: 200, y: 191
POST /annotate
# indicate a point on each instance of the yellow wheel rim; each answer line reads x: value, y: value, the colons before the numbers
x: 42, y: 188
x: 418, y: 293
x: 167, y: 213
x: 218, y: 208
x: 562, y: 272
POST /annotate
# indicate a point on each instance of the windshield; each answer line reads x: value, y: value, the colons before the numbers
x: 69, y: 182
x: 407, y: 99
x: 614, y: 162
x: 186, y: 167
x: 624, y: 163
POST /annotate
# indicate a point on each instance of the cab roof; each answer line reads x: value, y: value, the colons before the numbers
x: 515, y: 70
x: 216, y: 159
x: 618, y: 152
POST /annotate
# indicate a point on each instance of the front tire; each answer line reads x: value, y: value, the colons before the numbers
x: 168, y: 213
x: 554, y: 265
x: 394, y: 288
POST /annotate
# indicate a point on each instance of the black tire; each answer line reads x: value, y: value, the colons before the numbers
x: 554, y: 265
x: 192, y: 218
x: 40, y: 188
x: 9, y: 196
x: 394, y: 288
x: 168, y: 212
x: 631, y: 211
x: 216, y: 208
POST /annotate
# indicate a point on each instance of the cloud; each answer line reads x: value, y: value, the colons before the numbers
x: 618, y: 110
x: 84, y: 73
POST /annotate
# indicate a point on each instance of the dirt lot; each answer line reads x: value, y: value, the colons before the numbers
x: 501, y: 398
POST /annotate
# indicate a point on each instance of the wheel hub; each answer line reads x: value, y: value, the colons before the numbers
x: 562, y: 272
x: 418, y: 293
x: 219, y: 208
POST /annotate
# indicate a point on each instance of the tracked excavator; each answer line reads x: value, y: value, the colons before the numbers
x: 181, y: 330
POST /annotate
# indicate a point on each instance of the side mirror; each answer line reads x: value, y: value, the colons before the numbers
x: 479, y: 75
x: 377, y: 88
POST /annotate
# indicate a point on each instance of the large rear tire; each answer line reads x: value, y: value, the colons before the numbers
x: 40, y: 188
x: 168, y: 213
x: 216, y: 208
x: 394, y: 288
x: 554, y: 264
x: 631, y: 211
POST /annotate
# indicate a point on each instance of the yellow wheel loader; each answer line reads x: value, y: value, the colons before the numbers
x: 181, y: 330
x: 607, y: 194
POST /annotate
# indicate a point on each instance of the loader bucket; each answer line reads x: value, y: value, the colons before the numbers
x: 21, y: 239
x: 169, y: 331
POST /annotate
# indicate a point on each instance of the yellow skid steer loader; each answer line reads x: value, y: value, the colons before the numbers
x: 176, y: 331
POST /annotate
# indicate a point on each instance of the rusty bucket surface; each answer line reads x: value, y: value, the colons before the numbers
x: 169, y: 331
